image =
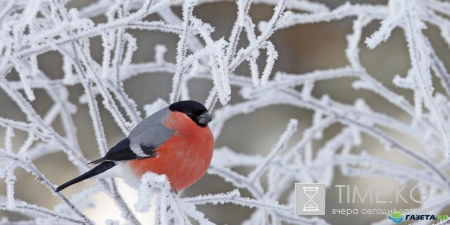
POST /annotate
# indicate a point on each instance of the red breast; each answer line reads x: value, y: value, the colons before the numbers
x: 185, y: 157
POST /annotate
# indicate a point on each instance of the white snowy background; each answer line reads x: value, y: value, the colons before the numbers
x: 330, y: 91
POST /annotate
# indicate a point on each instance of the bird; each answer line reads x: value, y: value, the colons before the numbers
x: 175, y: 141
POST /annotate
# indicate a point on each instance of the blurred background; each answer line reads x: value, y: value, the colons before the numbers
x: 301, y: 49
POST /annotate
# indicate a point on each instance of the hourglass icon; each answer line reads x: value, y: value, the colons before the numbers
x: 310, y: 205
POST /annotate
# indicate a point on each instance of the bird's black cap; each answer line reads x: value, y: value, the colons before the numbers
x: 188, y: 106
x: 194, y: 110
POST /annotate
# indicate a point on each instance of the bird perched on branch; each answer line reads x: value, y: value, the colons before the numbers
x: 175, y: 141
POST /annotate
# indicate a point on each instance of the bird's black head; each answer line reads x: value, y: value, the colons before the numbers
x: 194, y: 110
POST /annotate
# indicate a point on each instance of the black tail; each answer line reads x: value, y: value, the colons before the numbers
x: 96, y: 170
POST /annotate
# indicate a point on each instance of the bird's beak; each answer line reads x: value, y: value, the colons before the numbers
x: 205, y: 118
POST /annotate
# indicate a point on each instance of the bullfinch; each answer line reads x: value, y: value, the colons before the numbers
x: 175, y: 141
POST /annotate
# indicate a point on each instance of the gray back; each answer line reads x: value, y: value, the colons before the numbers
x: 151, y: 132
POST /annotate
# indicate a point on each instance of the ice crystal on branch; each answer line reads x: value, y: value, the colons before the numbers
x: 29, y: 29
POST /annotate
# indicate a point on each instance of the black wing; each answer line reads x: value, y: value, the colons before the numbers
x: 122, y: 151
